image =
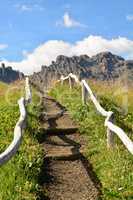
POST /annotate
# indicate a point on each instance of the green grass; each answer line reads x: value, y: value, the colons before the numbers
x: 114, y: 168
x: 19, y: 176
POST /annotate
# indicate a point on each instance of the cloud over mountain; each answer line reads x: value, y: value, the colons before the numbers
x: 48, y: 51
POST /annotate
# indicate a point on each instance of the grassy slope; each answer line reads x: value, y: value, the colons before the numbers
x: 113, y: 168
x: 19, y: 177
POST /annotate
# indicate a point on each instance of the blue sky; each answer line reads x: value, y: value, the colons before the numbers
x: 26, y: 25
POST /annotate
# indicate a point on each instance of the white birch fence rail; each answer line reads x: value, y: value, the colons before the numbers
x: 111, y: 127
x: 18, y: 131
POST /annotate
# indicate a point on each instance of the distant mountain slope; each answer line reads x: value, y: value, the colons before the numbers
x: 103, y: 66
x: 8, y: 75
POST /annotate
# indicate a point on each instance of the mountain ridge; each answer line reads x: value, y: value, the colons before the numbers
x: 8, y: 75
x: 102, y: 66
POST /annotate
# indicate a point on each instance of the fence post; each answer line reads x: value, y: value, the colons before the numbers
x: 61, y: 79
x: 84, y: 94
x: 70, y: 82
x: 28, y: 95
x: 110, y: 134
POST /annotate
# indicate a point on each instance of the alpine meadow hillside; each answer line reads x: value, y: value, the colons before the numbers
x: 66, y: 100
x: 112, y: 167
x: 19, y: 177
x: 110, y: 78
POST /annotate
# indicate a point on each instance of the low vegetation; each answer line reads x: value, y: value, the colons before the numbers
x: 19, y: 176
x: 114, y: 168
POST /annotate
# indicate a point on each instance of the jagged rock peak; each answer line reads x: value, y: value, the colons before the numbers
x: 8, y: 75
x: 103, y: 66
x: 107, y: 55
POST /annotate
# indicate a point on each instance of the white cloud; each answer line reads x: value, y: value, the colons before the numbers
x: 129, y: 17
x: 3, y: 46
x: 26, y: 7
x: 45, y: 53
x: 95, y: 44
x: 23, y: 7
x: 68, y: 22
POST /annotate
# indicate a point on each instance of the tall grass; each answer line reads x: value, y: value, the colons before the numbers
x: 114, y: 168
x: 19, y: 176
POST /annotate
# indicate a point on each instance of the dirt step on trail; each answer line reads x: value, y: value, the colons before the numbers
x: 66, y: 173
x: 55, y: 117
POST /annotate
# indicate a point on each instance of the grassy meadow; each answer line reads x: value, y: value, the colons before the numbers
x: 114, y: 168
x: 19, y: 176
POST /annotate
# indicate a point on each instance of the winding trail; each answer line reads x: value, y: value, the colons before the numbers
x: 66, y: 174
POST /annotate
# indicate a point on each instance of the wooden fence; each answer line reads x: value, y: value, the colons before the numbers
x: 21, y: 124
x: 111, y: 127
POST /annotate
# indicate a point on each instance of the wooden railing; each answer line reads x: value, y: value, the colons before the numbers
x: 111, y: 127
x: 21, y: 124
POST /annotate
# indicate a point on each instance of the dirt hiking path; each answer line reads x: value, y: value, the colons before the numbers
x: 66, y: 174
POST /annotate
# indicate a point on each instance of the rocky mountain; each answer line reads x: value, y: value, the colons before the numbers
x: 8, y: 75
x: 103, y: 66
